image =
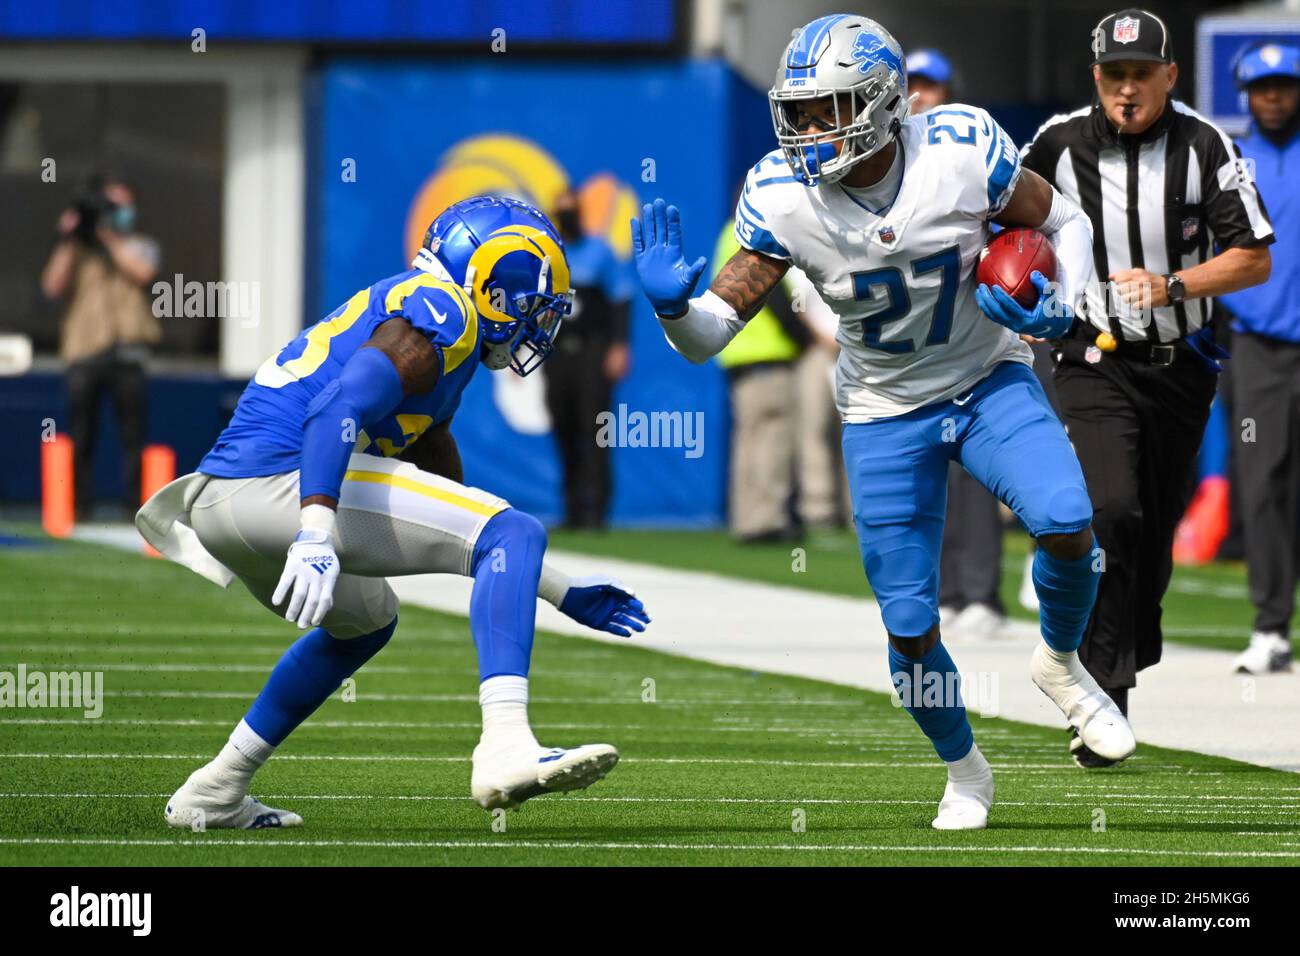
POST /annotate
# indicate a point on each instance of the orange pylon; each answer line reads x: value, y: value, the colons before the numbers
x: 58, y: 502
x: 157, y: 468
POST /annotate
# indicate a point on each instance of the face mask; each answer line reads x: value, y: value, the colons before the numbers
x: 123, y: 219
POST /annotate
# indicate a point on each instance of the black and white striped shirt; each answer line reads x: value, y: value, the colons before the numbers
x: 1159, y: 200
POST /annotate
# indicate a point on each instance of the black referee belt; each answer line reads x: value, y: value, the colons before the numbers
x: 1157, y: 354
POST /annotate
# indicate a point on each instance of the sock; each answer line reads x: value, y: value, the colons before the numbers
x: 1066, y: 591
x: 504, y: 700
x: 947, y: 726
x: 303, y: 679
x: 244, y: 753
x: 506, y: 566
x: 969, y: 767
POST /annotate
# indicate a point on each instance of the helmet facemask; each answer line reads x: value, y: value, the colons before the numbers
x: 859, y: 65
x: 865, y: 119
x: 527, y: 339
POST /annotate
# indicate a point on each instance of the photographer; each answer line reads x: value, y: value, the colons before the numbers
x: 102, y: 267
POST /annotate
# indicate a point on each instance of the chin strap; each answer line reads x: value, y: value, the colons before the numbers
x: 542, y: 274
x: 497, y: 357
x: 426, y: 261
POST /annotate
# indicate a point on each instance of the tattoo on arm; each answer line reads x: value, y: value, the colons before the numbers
x: 414, y: 356
x: 435, y: 451
x: 746, y: 280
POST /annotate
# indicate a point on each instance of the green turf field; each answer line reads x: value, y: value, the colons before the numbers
x: 718, y: 769
x: 1205, y: 606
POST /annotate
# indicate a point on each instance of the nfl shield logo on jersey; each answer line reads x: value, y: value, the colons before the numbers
x: 1092, y: 355
x: 887, y: 234
x: 1191, y: 227
x: 1126, y: 29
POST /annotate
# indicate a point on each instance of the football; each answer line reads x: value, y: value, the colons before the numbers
x: 1010, y: 257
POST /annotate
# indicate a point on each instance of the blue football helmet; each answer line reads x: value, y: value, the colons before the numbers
x: 510, y: 259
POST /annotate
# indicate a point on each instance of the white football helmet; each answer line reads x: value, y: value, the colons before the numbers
x: 839, y: 54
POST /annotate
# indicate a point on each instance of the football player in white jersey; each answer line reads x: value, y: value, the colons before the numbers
x: 887, y: 215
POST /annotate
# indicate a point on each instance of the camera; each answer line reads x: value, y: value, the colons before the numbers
x: 92, y: 207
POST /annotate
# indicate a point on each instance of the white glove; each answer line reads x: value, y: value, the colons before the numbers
x: 311, y: 569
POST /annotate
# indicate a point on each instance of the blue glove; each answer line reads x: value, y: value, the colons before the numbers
x: 605, y: 604
x: 657, y: 247
x: 1049, y: 319
x: 1208, y: 351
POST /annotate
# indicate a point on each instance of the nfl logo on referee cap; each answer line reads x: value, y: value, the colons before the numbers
x: 1126, y: 29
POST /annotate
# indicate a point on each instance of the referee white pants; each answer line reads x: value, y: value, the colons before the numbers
x: 393, y: 519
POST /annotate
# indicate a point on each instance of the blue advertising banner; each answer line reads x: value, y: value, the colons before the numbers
x: 400, y: 141
x: 643, y: 22
x: 1219, y: 41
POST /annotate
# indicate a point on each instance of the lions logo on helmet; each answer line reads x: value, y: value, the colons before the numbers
x: 858, y: 65
x: 510, y: 259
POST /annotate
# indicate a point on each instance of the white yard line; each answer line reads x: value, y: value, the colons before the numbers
x: 1189, y: 701
x: 278, y: 797
x: 511, y: 844
x: 1007, y: 765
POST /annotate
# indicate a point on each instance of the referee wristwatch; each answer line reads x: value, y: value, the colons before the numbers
x: 1174, y: 288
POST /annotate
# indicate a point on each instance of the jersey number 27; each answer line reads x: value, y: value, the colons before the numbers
x: 899, y: 301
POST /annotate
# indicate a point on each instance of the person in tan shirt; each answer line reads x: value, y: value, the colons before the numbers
x: 102, y: 267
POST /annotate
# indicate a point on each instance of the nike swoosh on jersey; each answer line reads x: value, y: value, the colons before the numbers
x: 437, y: 316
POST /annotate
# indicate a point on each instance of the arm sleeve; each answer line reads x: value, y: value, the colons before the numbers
x: 1070, y: 233
x: 704, y: 331
x: 1001, y: 163
x: 1234, y: 210
x: 367, y: 389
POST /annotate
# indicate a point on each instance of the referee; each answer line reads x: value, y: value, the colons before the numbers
x: 1136, y: 373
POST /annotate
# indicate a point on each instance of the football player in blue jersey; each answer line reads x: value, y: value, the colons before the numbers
x: 340, y: 452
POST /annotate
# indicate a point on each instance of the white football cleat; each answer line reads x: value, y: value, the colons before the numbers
x: 507, y: 775
x: 203, y: 803
x: 968, y: 796
x: 979, y: 621
x: 1268, y: 653
x: 1102, y: 727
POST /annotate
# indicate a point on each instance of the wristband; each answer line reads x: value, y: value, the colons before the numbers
x: 318, y: 518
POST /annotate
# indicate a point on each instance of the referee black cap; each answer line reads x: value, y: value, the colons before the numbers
x: 1131, y: 34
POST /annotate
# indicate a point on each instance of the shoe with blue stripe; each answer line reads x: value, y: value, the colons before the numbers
x: 507, y: 774
x: 202, y: 803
